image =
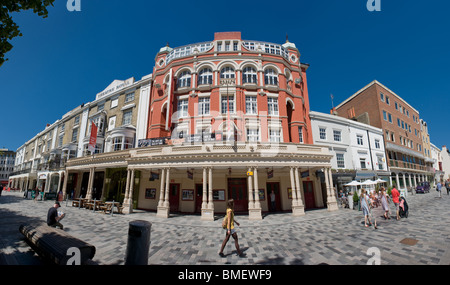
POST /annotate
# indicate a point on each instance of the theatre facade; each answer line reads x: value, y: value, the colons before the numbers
x: 223, y: 119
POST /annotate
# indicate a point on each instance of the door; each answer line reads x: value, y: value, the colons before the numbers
x: 84, y: 184
x: 308, y: 190
x: 174, y: 197
x: 275, y: 187
x: 198, y: 197
x: 237, y: 190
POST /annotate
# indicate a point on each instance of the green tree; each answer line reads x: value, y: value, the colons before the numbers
x: 8, y: 28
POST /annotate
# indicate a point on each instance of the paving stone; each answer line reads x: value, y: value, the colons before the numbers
x: 279, y: 239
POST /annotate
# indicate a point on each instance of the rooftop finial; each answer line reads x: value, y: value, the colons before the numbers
x: 287, y: 38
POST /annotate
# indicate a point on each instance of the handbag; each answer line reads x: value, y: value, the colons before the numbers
x: 225, y: 222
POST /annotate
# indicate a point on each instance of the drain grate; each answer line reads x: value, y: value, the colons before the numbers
x: 409, y: 241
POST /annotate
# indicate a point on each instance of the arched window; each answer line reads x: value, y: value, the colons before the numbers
x: 249, y: 75
x: 184, y: 80
x: 270, y: 77
x: 205, y: 76
x: 227, y: 72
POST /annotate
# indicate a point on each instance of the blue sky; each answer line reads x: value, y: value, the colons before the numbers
x: 64, y: 60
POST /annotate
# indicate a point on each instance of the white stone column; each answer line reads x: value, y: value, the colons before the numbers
x: 397, y: 181
x: 208, y: 209
x: 166, y: 196
x: 254, y: 213
x: 162, y: 179
x: 210, y: 190
x: 163, y: 207
x: 128, y: 201
x: 66, y: 177
x: 298, y: 209
x: 90, y: 183
x: 291, y: 173
x: 205, y: 189
x: 331, y: 199
x: 251, y: 204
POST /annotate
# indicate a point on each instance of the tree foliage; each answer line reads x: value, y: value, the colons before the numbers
x: 8, y: 28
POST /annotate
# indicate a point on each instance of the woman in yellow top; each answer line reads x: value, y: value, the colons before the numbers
x: 230, y: 231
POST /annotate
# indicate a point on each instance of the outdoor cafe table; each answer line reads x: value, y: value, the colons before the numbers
x: 115, y: 204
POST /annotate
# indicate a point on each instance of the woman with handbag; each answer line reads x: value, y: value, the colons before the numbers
x: 228, y: 225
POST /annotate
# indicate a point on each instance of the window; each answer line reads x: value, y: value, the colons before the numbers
x: 274, y: 135
x: 128, y: 143
x: 337, y: 135
x: 205, y: 76
x: 396, y: 106
x: 362, y: 161
x: 235, y: 46
x: 182, y: 108
x: 77, y: 120
x: 322, y: 133
x: 60, y: 140
x: 219, y: 46
x: 227, y: 72
x: 270, y: 77
x: 127, y: 115
x: 252, y: 135
x: 359, y: 139
x: 340, y: 160
x: 300, y: 134
x: 382, y: 97
x: 117, y: 143
x: 377, y: 143
x: 230, y: 100
x: 129, y: 97
x: 227, y: 46
x: 74, y: 134
x: 250, y: 105
x: 203, y: 105
x: 387, y: 100
x: 249, y: 75
x: 385, y: 115
x: 390, y: 117
x: 272, y: 106
x: 114, y: 102
x: 100, y: 107
x: 380, y: 163
x: 184, y: 79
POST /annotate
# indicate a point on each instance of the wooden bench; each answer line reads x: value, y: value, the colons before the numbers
x: 53, y: 244
x: 106, y: 207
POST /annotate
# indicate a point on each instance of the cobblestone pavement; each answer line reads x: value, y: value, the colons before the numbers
x: 336, y: 238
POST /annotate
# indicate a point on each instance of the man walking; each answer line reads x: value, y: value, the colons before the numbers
x: 395, y: 195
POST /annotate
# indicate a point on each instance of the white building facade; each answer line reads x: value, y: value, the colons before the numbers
x: 358, y: 149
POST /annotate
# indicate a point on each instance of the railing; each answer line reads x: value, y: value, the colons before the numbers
x: 404, y: 164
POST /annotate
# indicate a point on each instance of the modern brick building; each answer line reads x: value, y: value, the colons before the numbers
x: 378, y: 106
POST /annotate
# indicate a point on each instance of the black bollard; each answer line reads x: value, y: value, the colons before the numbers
x: 138, y: 245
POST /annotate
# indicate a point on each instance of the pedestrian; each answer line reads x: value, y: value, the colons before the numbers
x: 365, y: 206
x: 53, y: 217
x: 438, y: 188
x: 443, y: 188
x: 229, y: 222
x: 395, y: 195
x: 273, y: 201
x: 447, y: 186
x: 385, y: 203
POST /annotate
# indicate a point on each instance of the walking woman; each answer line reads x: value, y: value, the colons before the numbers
x: 230, y: 231
x: 385, y: 203
x: 365, y: 205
